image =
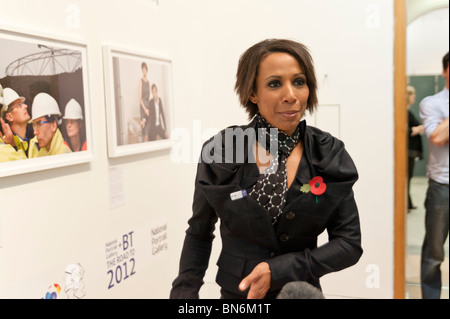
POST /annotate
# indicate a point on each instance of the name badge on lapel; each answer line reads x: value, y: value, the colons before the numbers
x: 238, y: 195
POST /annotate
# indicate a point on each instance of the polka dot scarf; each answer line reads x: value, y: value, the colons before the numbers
x: 271, y: 187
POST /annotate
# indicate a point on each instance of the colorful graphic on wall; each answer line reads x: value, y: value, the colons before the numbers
x: 53, y: 291
x: 73, y: 286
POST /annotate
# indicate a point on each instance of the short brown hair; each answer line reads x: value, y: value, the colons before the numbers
x: 445, y: 61
x: 248, y: 68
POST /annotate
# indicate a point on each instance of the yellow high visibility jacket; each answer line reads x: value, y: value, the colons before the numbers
x: 57, y: 146
x: 9, y: 153
x: 21, y: 144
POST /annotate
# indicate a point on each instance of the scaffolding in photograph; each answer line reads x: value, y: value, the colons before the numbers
x: 50, y: 62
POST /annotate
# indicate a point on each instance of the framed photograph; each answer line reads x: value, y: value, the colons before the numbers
x: 44, y: 103
x: 139, y: 103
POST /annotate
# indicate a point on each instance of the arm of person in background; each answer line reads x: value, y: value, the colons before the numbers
x: 417, y: 130
x: 436, y: 128
x: 440, y: 135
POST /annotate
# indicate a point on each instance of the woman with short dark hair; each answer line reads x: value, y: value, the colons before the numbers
x: 275, y: 184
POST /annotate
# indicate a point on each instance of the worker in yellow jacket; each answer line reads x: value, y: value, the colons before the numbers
x: 9, y: 153
x: 48, y: 139
x: 15, y: 114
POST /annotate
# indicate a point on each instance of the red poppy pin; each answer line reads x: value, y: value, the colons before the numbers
x: 315, y: 186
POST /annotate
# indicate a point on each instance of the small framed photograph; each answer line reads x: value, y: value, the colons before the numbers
x: 44, y: 103
x: 139, y: 105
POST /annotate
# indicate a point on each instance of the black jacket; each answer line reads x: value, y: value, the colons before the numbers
x: 415, y: 148
x: 152, y: 115
x: 248, y: 236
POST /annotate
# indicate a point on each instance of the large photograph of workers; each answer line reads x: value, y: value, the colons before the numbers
x: 42, y: 102
x: 139, y: 102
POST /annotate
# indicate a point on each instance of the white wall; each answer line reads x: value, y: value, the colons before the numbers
x: 425, y: 52
x: 417, y: 8
x: 58, y: 217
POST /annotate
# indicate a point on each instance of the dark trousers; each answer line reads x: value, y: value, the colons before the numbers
x: 156, y: 131
x: 436, y: 232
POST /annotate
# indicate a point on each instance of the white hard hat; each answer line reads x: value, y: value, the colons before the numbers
x: 73, y: 111
x: 9, y: 96
x: 44, y: 105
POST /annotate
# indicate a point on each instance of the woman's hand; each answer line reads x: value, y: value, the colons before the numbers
x: 417, y: 130
x: 258, y: 281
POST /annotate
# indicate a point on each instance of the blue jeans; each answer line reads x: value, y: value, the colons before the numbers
x: 436, y: 232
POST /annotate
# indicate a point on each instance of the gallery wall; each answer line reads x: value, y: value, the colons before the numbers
x: 122, y: 220
x: 424, y: 53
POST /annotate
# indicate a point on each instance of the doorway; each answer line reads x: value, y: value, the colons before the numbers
x: 425, y: 85
x: 407, y: 235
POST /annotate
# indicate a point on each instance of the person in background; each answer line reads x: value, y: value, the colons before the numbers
x: 7, y: 151
x: 415, y: 129
x: 157, y: 118
x: 48, y: 139
x: 276, y: 184
x: 434, y: 114
x: 16, y: 116
x: 144, y: 101
x: 73, y: 120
